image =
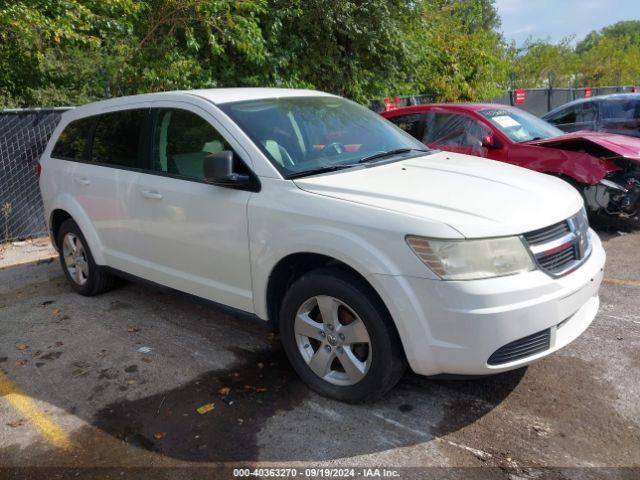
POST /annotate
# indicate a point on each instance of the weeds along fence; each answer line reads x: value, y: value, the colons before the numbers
x: 23, y: 137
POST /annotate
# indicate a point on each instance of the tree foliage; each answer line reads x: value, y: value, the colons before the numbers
x: 74, y: 51
x: 64, y: 52
x: 610, y: 56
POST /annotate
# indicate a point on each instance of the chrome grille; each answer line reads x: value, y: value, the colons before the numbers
x: 562, y: 247
x: 521, y: 348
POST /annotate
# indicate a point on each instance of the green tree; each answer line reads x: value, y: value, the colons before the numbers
x: 460, y: 54
x: 543, y: 64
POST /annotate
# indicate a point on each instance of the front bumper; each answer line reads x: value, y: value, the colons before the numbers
x: 453, y: 327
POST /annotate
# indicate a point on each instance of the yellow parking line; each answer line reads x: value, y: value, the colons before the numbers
x: 617, y: 281
x: 30, y: 410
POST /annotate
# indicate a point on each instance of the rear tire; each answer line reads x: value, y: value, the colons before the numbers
x: 77, y: 262
x: 339, y: 337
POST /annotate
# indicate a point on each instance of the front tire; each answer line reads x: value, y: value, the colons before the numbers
x: 78, y: 265
x: 339, y: 337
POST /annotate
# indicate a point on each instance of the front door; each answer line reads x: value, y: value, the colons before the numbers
x: 190, y: 235
x: 454, y: 132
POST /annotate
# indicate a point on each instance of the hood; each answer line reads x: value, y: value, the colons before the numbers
x: 476, y: 196
x: 617, y: 145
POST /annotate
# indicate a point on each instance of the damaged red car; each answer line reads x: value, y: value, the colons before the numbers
x: 604, y: 167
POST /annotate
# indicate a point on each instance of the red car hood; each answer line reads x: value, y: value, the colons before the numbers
x: 618, y: 145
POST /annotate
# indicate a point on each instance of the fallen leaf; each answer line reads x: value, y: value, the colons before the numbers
x: 56, y: 311
x: 159, y: 435
x: 224, y: 391
x: 20, y: 363
x: 22, y: 346
x: 205, y: 408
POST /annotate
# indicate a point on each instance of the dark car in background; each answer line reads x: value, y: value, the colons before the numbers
x: 603, y: 167
x: 618, y: 113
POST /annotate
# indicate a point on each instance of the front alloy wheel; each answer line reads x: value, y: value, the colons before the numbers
x: 339, y: 337
x: 333, y: 340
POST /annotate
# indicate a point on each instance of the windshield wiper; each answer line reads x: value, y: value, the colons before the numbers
x: 315, y: 171
x: 390, y: 153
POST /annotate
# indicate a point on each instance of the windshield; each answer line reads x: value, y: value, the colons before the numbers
x: 300, y: 135
x: 521, y: 126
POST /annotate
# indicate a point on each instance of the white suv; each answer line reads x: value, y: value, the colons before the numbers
x: 363, y: 248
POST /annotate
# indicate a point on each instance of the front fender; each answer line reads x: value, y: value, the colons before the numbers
x: 581, y: 167
x: 69, y: 204
x: 347, y: 247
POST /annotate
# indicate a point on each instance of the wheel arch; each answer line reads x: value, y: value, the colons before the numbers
x: 67, y: 208
x: 295, y: 265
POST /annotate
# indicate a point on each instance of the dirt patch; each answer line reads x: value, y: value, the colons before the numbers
x: 561, y: 409
x: 234, y: 404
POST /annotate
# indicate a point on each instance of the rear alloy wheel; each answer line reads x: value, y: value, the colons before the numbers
x: 83, y: 274
x: 339, y: 337
x: 75, y: 258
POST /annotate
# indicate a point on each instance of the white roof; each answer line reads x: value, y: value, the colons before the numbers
x: 214, y: 95
x: 227, y: 95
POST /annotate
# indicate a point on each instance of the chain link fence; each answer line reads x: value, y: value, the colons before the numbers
x: 23, y: 137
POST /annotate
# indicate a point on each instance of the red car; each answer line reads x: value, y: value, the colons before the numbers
x: 604, y: 167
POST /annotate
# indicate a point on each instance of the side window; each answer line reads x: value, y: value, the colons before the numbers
x: 622, y: 110
x: 587, y: 113
x: 73, y: 140
x: 182, y: 140
x: 568, y: 115
x: 455, y: 130
x: 118, y: 138
x: 412, y: 124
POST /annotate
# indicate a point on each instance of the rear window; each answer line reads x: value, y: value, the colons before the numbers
x: 118, y: 138
x: 72, y: 142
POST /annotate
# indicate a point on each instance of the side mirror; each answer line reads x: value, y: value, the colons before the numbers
x: 488, y: 141
x: 217, y: 169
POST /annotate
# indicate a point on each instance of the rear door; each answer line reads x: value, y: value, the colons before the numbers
x: 102, y: 183
x: 190, y: 235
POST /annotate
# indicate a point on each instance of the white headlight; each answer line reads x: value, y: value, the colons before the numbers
x: 473, y: 259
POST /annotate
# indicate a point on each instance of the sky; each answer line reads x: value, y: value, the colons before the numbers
x: 554, y: 20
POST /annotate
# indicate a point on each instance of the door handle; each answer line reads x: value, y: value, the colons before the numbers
x: 151, y: 194
x: 81, y: 181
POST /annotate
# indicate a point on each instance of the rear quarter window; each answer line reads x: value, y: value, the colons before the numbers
x: 72, y: 142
